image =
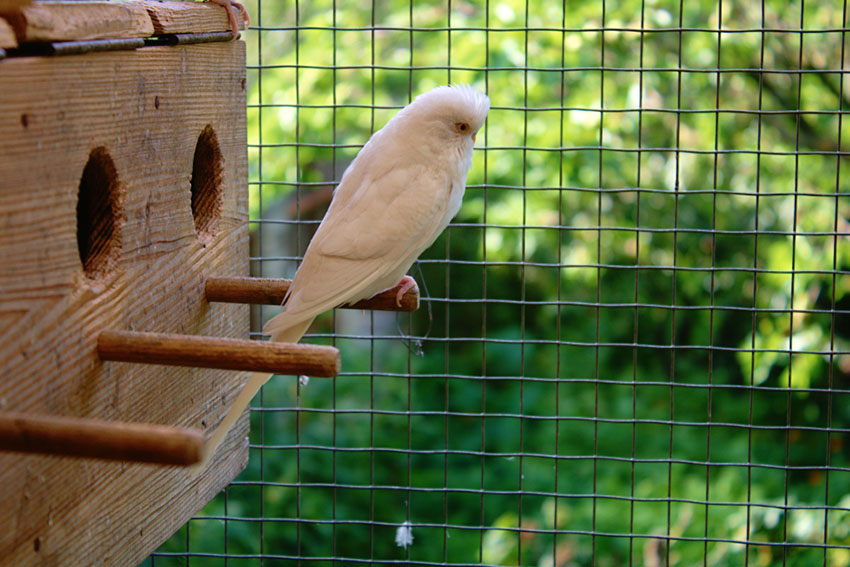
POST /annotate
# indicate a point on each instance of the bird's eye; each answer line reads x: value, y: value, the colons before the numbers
x: 462, y: 127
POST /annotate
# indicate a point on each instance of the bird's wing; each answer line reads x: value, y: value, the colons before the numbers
x: 384, y: 221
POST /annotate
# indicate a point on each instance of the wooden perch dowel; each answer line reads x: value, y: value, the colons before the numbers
x: 271, y: 291
x: 99, y: 439
x: 213, y: 352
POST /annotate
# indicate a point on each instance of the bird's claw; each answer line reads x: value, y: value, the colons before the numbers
x: 229, y: 5
x: 406, y: 284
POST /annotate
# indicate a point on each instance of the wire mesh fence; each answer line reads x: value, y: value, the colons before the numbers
x: 634, y: 345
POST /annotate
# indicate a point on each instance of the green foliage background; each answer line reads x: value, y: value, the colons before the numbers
x: 546, y: 419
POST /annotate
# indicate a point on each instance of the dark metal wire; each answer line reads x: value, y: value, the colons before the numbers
x: 299, y: 247
x: 262, y: 427
x: 831, y: 376
x: 334, y: 471
x: 596, y: 311
x: 754, y: 297
x: 483, y: 421
x: 446, y: 388
x: 712, y: 291
x: 635, y: 110
x: 309, y: 525
x: 674, y: 287
x: 523, y: 314
x: 638, y: 171
x: 794, y: 240
x: 558, y: 337
x: 372, y: 341
x: 590, y: 29
x: 577, y: 69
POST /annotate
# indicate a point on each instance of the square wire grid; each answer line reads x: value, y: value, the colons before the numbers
x: 636, y: 328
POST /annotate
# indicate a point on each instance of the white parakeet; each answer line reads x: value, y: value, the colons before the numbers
x: 393, y: 201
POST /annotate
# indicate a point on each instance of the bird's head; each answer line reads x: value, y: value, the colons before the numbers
x: 451, y: 115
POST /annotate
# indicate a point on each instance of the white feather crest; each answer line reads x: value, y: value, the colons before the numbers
x: 459, y: 97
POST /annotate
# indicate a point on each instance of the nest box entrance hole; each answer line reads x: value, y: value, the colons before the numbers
x: 207, y: 185
x: 98, y: 215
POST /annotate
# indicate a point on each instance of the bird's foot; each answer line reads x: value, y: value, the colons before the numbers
x: 231, y: 6
x: 242, y: 10
x: 406, y: 284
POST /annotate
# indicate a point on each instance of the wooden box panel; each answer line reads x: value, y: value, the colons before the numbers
x: 146, y: 110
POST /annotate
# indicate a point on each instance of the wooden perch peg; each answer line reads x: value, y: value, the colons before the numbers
x: 213, y: 352
x: 271, y: 291
x: 100, y: 439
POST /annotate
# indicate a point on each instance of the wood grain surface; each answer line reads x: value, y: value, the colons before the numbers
x: 145, y: 110
x: 88, y: 20
x: 188, y: 17
x: 7, y: 6
x: 7, y: 35
x: 216, y: 352
x: 100, y: 439
x: 271, y: 291
x: 64, y: 21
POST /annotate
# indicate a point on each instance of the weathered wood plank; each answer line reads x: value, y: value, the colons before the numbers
x: 7, y: 35
x: 147, y: 110
x: 7, y: 6
x: 188, y: 17
x: 65, y: 21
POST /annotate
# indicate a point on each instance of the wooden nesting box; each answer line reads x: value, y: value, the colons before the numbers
x: 123, y: 185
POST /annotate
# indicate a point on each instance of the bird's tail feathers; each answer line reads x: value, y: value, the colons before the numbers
x: 283, y: 329
x: 249, y: 390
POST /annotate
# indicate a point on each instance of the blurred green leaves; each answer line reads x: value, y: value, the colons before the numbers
x: 654, y: 232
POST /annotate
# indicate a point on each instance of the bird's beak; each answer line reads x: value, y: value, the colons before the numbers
x: 473, y: 138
